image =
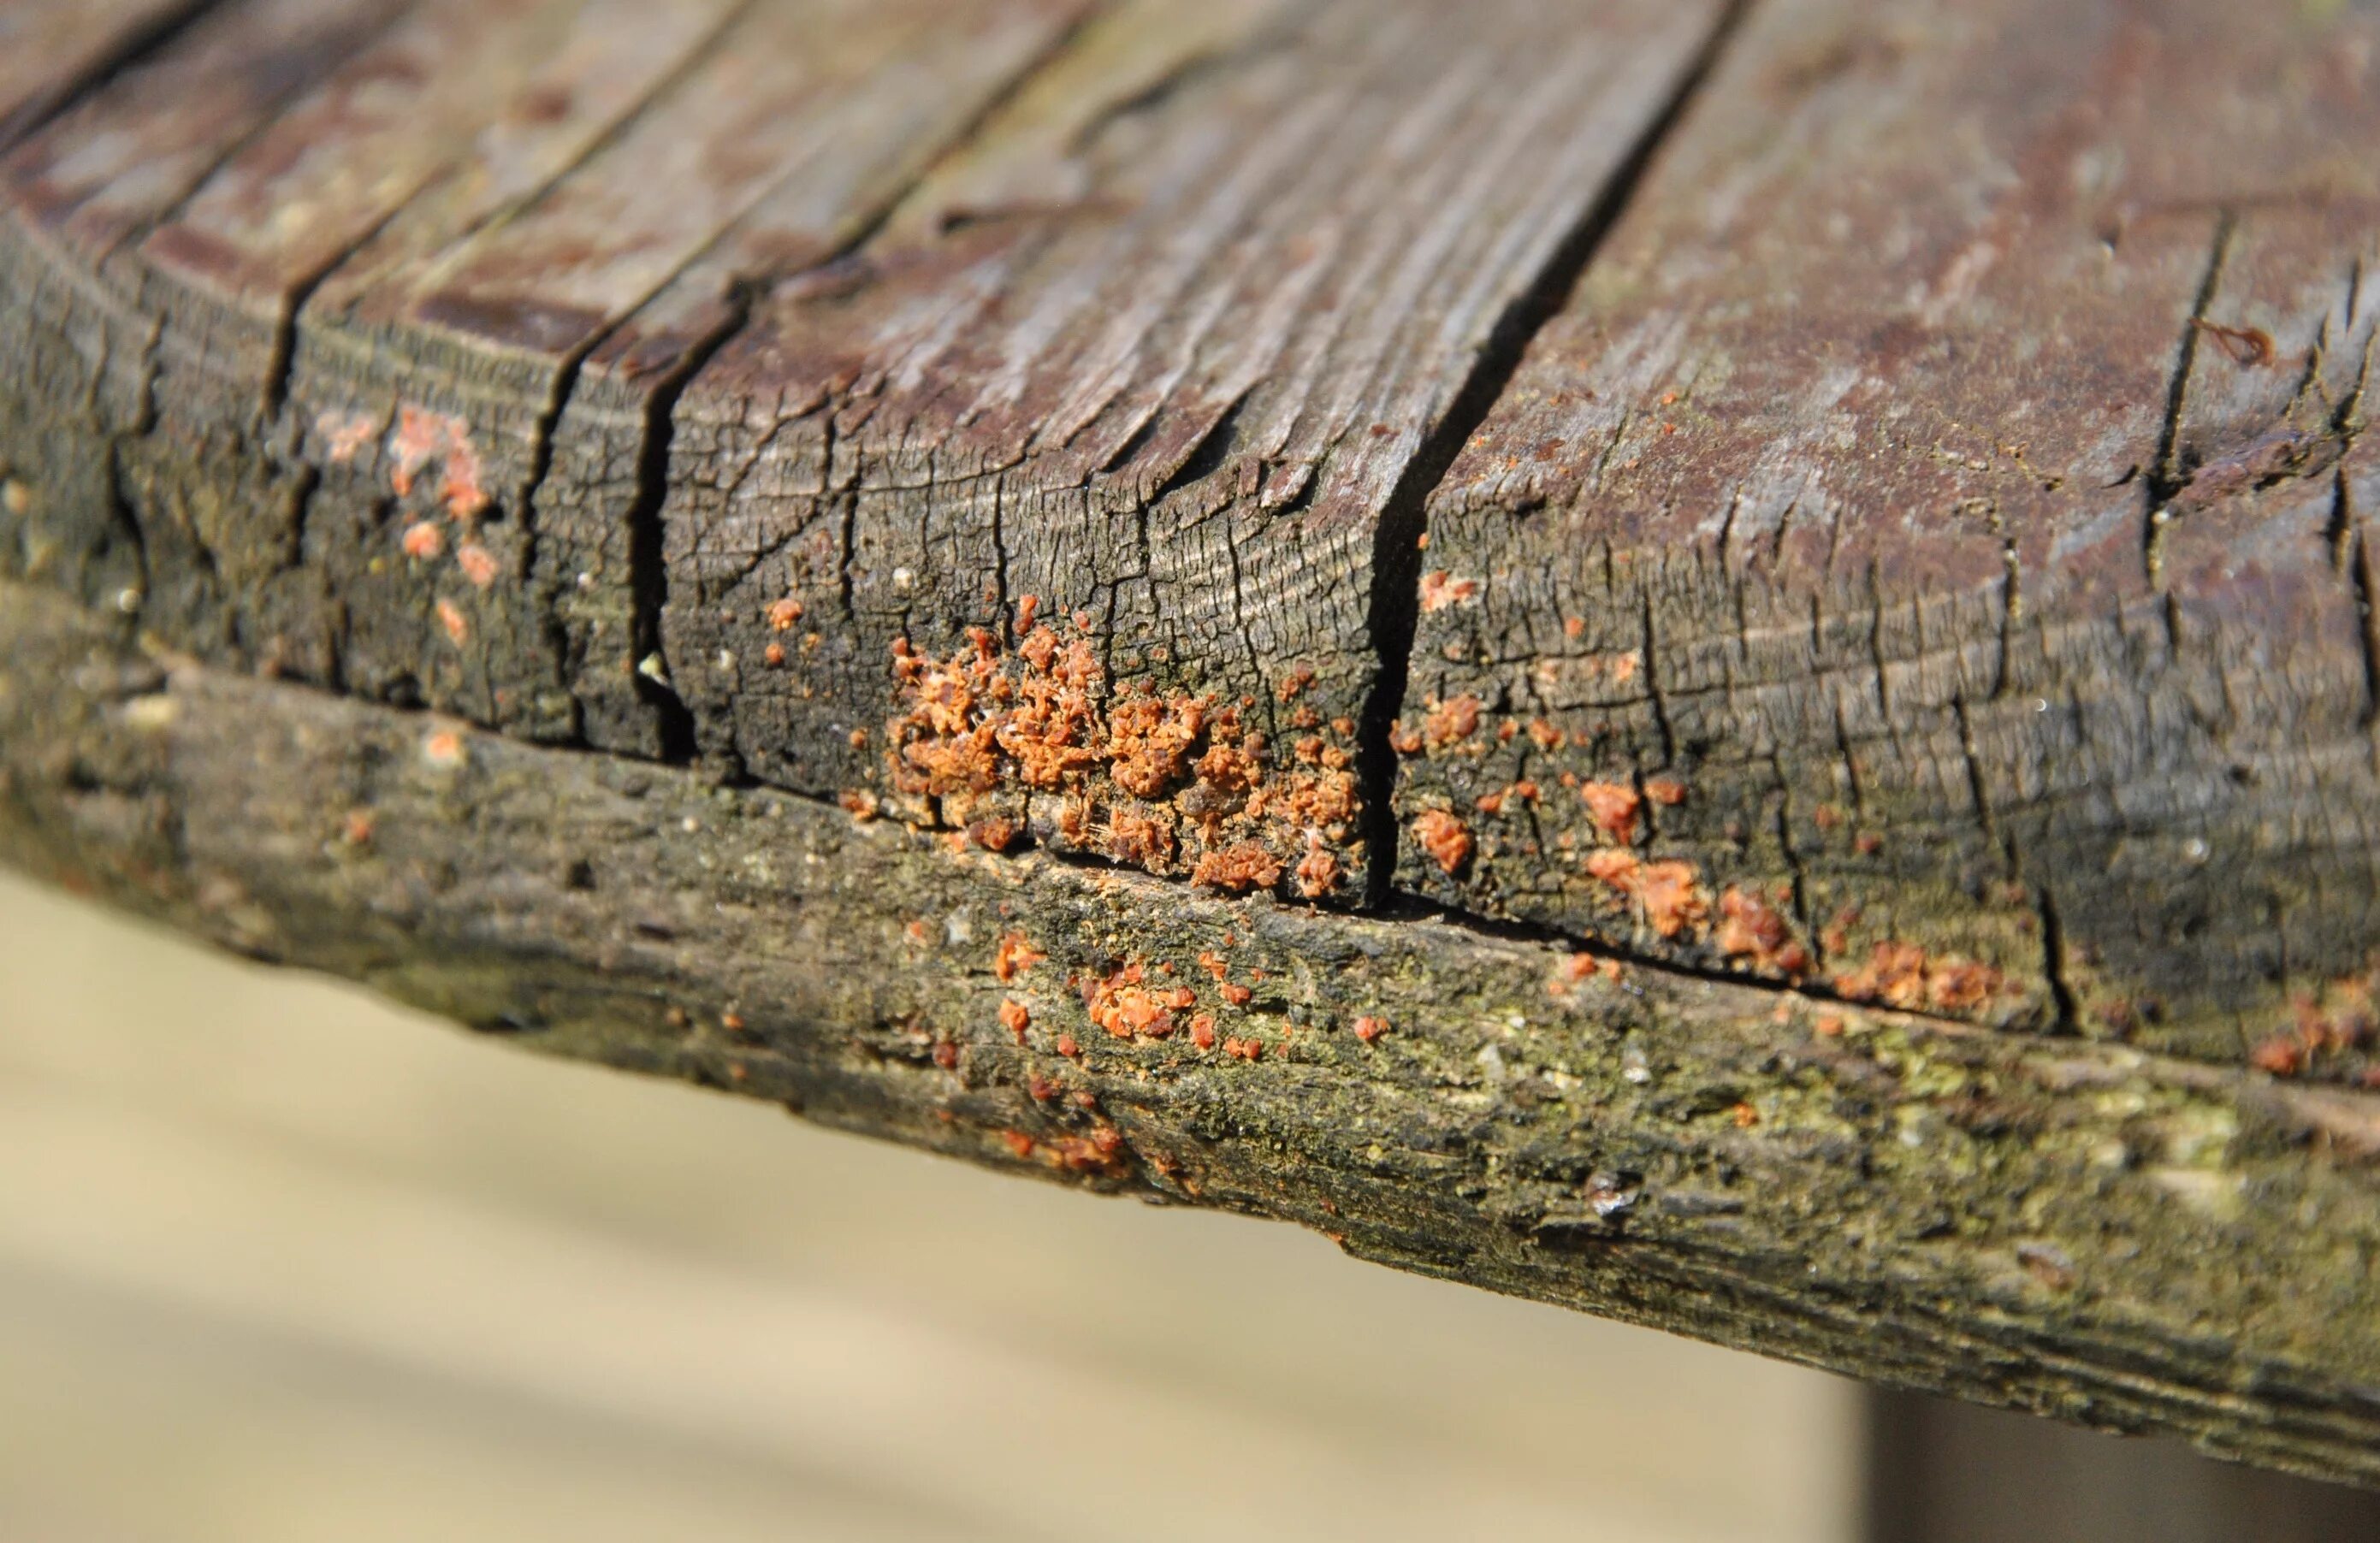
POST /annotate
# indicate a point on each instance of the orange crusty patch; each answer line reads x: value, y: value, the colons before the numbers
x: 1668, y: 892
x: 1614, y: 807
x: 1445, y: 838
x: 1161, y: 781
x: 1902, y: 974
x: 1751, y: 928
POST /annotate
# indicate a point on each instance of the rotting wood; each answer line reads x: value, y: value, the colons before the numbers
x: 1886, y: 698
x: 2088, y: 1230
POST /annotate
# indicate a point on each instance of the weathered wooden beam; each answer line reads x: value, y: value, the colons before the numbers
x: 2088, y: 1229
x: 1790, y: 576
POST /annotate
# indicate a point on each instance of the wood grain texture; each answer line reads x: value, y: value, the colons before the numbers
x: 1912, y: 588
x: 1143, y: 368
x: 343, y: 443
x: 51, y: 48
x: 2088, y: 1230
x: 1890, y: 573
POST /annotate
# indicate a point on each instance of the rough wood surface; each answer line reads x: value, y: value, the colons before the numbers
x: 1791, y: 577
x: 2089, y: 1229
x: 1927, y: 556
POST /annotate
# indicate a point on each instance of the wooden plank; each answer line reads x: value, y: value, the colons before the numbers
x: 1138, y: 374
x: 50, y: 48
x: 1840, y: 599
x: 1924, y: 563
x: 323, y: 356
x: 78, y: 192
x: 2088, y: 1230
x: 593, y: 307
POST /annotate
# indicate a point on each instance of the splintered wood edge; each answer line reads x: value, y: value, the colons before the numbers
x: 2084, y: 1230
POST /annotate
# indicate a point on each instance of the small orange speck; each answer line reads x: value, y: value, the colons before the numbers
x: 1830, y: 1025
x: 732, y: 1022
x: 946, y: 1055
x: 773, y: 656
x: 1067, y: 1047
x: 784, y: 614
x: 1202, y: 1030
x: 457, y: 626
x: 359, y: 826
x: 444, y: 748
x: 1016, y: 1018
x: 2282, y: 1056
x: 423, y: 540
x: 1018, y: 1142
x: 478, y: 565
x: 1013, y: 956
x: 1745, y: 1116
x: 1369, y: 1029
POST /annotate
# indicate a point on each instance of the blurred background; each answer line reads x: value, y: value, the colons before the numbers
x: 280, y: 1262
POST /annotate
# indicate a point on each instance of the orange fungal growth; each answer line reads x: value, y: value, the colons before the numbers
x: 1900, y: 974
x: 1159, y: 780
x: 1751, y: 928
x: 1669, y: 895
x: 1238, y: 869
x: 1441, y: 589
x: 1446, y: 839
x: 478, y: 565
x: 1013, y: 956
x: 1613, y: 807
x: 1449, y: 723
x: 1369, y: 1029
x: 1317, y: 872
x: 1016, y: 1018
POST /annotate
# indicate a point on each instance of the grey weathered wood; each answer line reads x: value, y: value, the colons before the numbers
x: 1882, y: 864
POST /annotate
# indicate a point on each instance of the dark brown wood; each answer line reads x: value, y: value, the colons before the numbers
x: 1791, y: 576
x: 1935, y: 532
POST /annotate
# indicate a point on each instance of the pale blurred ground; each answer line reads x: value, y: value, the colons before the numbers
x: 278, y: 1262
